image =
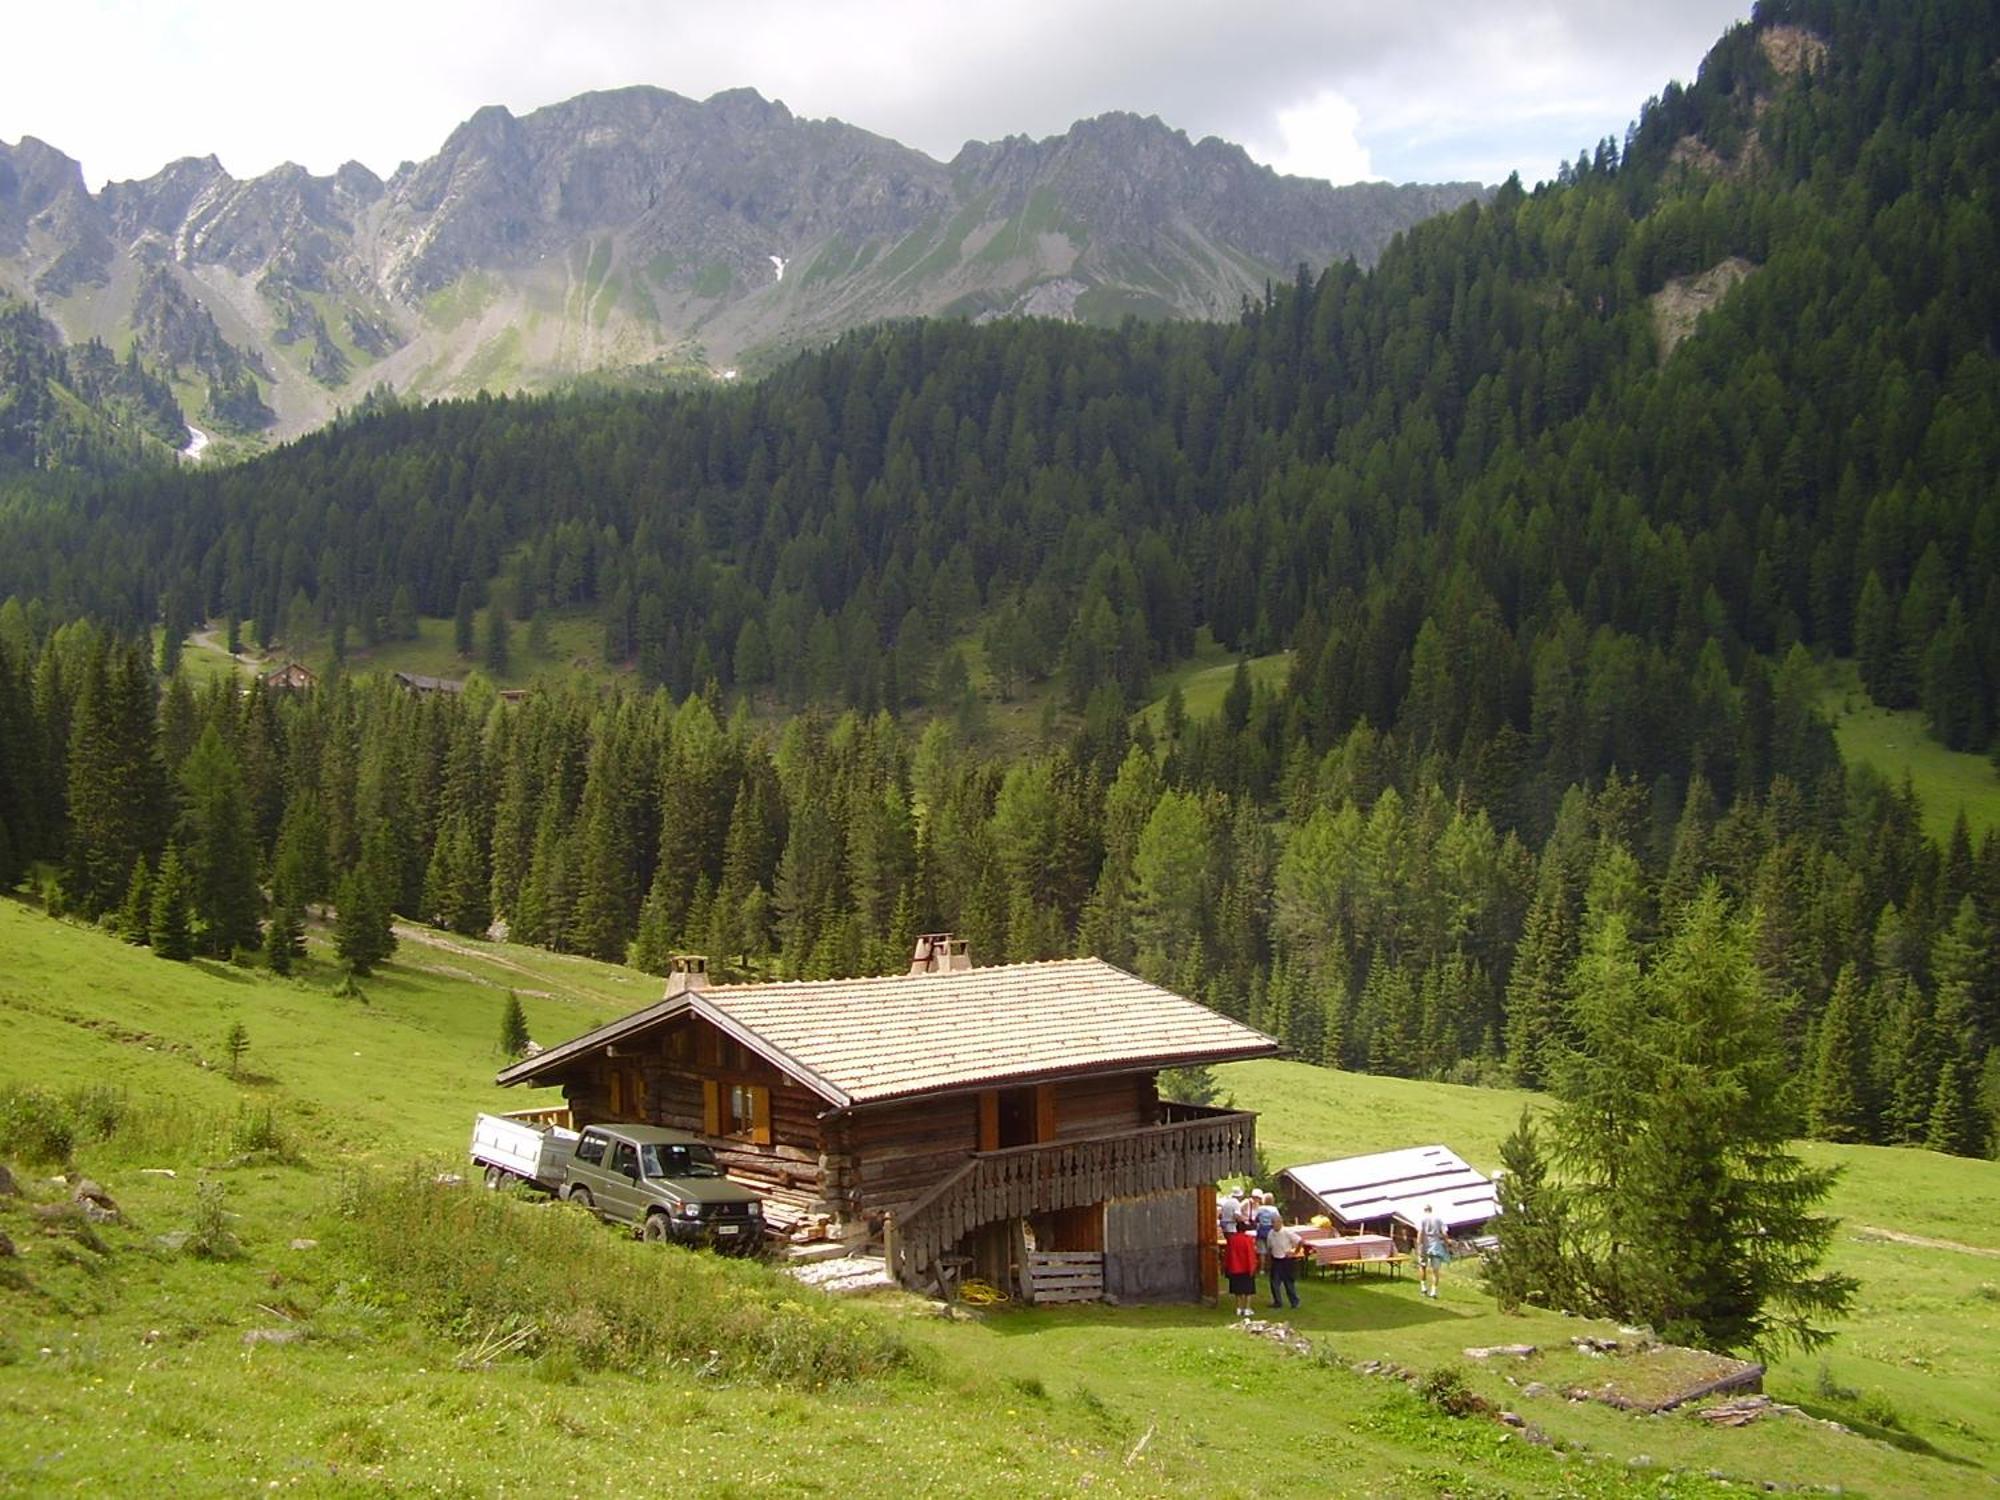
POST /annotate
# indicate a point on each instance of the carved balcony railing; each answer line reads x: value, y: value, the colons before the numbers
x: 1194, y: 1146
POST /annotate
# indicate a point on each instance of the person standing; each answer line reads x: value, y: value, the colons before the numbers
x: 1239, y: 1264
x: 1228, y: 1209
x: 1431, y: 1253
x: 1264, y: 1217
x: 1284, y: 1245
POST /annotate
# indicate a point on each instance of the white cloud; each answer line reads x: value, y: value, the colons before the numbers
x: 1319, y: 139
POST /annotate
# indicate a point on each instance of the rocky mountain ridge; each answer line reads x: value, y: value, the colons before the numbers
x: 642, y: 234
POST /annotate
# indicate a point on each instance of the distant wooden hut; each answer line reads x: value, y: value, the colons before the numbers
x: 1003, y: 1121
x: 421, y: 685
x: 292, y: 677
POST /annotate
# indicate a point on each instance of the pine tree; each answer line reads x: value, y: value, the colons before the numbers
x: 497, y: 648
x: 464, y: 619
x: 513, y: 1028
x: 1839, y: 1106
x: 219, y: 847
x: 135, y: 912
x: 363, y: 931
x: 116, y: 791
x: 1531, y: 1264
x: 1538, y: 989
x: 284, y: 935
x: 173, y: 909
x: 1727, y: 1214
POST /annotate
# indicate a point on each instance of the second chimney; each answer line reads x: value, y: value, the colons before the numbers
x: 939, y: 953
x: 689, y: 971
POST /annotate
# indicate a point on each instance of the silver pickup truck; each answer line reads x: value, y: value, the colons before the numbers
x: 507, y: 1150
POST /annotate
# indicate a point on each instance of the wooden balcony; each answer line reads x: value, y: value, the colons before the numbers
x: 1192, y: 1146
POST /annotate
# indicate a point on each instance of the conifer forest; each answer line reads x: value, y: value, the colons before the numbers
x: 1557, y: 578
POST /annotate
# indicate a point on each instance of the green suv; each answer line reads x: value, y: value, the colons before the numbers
x: 665, y: 1184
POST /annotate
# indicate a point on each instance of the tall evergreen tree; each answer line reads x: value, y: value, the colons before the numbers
x: 218, y: 847
x: 172, y: 929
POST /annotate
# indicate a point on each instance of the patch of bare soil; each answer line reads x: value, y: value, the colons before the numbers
x: 1678, y: 305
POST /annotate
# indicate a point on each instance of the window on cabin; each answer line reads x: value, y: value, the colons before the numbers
x: 739, y: 1112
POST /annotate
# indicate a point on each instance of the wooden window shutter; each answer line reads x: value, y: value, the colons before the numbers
x: 1045, y: 1112
x: 760, y: 1116
x: 711, y: 1107
x: 617, y: 1093
x: 989, y: 1120
x: 637, y: 1090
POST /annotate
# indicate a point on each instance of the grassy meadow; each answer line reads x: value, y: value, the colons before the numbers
x: 1896, y: 743
x: 376, y: 1333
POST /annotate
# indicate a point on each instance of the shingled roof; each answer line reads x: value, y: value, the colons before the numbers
x: 864, y: 1041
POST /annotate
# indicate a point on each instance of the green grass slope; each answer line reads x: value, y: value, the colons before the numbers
x: 1896, y: 743
x: 124, y: 1361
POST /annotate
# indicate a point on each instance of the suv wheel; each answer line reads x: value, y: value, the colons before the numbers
x: 657, y: 1229
x: 580, y: 1196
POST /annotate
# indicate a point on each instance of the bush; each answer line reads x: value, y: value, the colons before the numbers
x: 467, y: 1263
x: 39, y: 1127
x: 210, y: 1236
x: 1445, y: 1388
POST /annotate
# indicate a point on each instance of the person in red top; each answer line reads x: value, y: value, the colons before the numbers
x: 1239, y: 1264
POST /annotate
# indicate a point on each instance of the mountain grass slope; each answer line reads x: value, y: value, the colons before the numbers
x: 358, y: 1340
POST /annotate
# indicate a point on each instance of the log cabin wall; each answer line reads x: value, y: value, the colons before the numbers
x: 1105, y: 1105
x: 660, y: 1079
x: 896, y: 1152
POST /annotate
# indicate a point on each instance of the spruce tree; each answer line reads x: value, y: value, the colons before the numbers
x: 464, y: 618
x: 1673, y: 1126
x: 1838, y: 1108
x: 363, y: 933
x: 1531, y: 1264
x: 284, y: 934
x: 173, y: 909
x: 513, y: 1027
x: 497, y: 649
x: 219, y: 846
x: 135, y: 912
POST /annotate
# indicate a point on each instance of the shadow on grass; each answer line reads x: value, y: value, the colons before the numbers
x: 1896, y: 1437
x: 217, y: 968
x: 1328, y: 1309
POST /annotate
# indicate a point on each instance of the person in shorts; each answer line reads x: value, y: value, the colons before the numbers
x: 1431, y: 1251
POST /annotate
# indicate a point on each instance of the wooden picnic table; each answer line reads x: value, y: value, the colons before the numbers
x: 1335, y: 1254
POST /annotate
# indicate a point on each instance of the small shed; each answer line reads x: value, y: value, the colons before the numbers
x: 1385, y: 1193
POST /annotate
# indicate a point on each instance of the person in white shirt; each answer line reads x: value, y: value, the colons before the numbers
x: 1283, y: 1247
x: 1431, y: 1252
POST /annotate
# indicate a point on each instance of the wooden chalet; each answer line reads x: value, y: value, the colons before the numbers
x: 1004, y: 1121
x: 292, y: 677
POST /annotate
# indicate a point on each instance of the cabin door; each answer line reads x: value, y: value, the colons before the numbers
x: 1016, y: 1117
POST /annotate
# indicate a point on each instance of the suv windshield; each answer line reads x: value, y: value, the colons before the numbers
x: 678, y: 1161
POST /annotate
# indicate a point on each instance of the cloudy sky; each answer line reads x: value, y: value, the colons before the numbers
x: 1425, y: 90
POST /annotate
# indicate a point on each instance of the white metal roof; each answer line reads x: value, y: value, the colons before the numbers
x: 1397, y: 1185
